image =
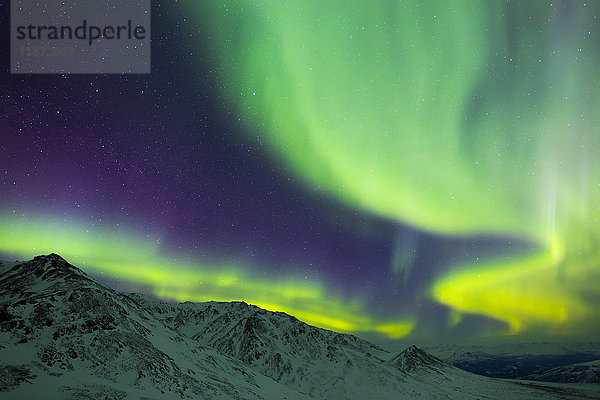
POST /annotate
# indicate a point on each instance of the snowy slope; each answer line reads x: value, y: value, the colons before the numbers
x: 63, y: 335
x: 73, y: 337
x: 327, y: 364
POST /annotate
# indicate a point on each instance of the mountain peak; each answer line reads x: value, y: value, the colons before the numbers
x: 51, y: 256
x: 53, y: 262
x: 414, y: 358
x: 45, y: 270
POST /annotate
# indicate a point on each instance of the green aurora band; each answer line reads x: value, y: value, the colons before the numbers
x: 461, y: 118
x: 123, y: 254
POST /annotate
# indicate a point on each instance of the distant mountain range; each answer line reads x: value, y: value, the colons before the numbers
x: 583, y: 372
x: 65, y: 336
x: 541, y: 361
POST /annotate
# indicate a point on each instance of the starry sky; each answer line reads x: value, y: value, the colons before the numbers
x: 404, y: 171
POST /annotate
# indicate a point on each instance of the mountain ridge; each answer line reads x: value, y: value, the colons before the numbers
x: 64, y: 335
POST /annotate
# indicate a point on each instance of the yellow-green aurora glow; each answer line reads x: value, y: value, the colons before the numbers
x: 459, y: 118
x: 119, y: 253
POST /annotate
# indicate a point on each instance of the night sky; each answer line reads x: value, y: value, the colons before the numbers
x: 410, y: 170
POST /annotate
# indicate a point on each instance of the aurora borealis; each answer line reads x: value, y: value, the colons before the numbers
x: 395, y: 169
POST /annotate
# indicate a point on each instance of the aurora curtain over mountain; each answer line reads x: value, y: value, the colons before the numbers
x: 454, y: 117
x: 417, y: 169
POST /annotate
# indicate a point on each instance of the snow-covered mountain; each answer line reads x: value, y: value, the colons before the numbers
x: 416, y: 359
x: 63, y: 335
x: 309, y: 359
